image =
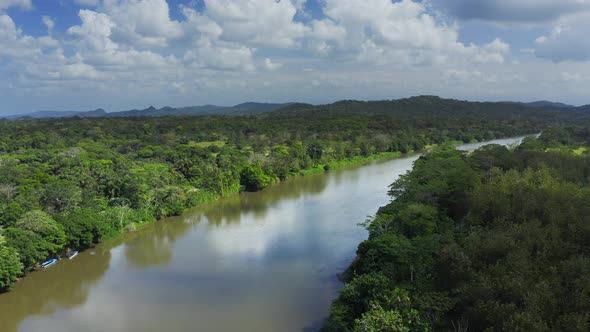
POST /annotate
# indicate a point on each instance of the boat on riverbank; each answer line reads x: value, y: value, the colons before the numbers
x: 73, y: 254
x: 49, y: 263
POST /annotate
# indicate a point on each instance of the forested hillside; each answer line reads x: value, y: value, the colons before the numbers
x: 68, y: 183
x: 241, y: 109
x: 494, y: 240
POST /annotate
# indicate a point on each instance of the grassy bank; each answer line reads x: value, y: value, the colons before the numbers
x: 137, y: 219
x: 200, y: 197
x: 356, y: 161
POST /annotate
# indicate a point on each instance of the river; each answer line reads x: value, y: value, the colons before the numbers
x: 263, y: 261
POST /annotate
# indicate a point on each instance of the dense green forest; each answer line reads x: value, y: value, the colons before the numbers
x: 69, y: 183
x: 494, y: 240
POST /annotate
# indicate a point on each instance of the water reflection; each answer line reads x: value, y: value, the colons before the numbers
x: 262, y: 261
x: 153, y: 245
x: 515, y: 141
x: 230, y: 210
x: 65, y: 285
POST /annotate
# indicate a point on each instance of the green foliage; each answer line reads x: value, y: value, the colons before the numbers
x: 253, y: 178
x: 379, y: 320
x: 31, y: 247
x: 43, y: 225
x: 497, y: 239
x: 10, y: 213
x: 81, y: 228
x: 10, y: 265
x: 169, y: 201
x: 369, y: 302
x: 34, y: 237
x: 61, y: 196
x: 315, y: 151
x: 94, y: 178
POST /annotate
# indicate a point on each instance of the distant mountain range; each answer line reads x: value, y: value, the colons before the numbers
x: 559, y: 106
x: 257, y: 108
x: 56, y: 114
x: 241, y: 109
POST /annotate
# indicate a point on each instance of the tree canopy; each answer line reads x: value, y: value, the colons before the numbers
x: 69, y: 183
x: 497, y: 239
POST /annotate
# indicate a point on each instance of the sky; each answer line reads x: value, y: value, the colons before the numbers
x: 124, y: 54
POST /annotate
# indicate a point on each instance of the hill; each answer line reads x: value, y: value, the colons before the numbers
x: 548, y: 104
x: 415, y: 105
x: 240, y: 109
x: 432, y: 106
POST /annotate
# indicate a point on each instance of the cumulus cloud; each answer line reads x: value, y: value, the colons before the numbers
x: 25, y: 4
x: 49, y: 23
x: 56, y: 67
x: 207, y: 56
x: 258, y: 22
x: 16, y: 44
x: 518, y: 11
x: 95, y: 46
x: 568, y: 40
x: 493, y: 52
x: 566, y: 22
x: 37, y: 61
x: 402, y: 33
x: 94, y: 33
x: 208, y: 50
x: 132, y: 46
x: 227, y: 35
x: 142, y: 22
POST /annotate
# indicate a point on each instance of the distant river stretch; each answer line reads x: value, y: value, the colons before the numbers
x: 263, y: 261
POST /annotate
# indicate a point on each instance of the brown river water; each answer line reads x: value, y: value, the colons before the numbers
x: 263, y: 261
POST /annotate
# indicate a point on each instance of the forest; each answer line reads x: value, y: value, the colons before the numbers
x: 69, y: 183
x: 493, y: 240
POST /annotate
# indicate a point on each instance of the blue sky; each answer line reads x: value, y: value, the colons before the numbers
x: 123, y: 54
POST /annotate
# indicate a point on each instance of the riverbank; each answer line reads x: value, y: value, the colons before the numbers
x: 350, y: 162
x: 228, y: 264
x: 193, y: 197
x: 196, y: 197
x: 200, y: 197
x: 449, y: 242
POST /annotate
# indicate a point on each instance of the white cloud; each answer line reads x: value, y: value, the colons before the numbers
x: 49, y: 23
x: 257, y: 22
x: 198, y: 26
x: 119, y: 35
x: 235, y: 50
x: 326, y: 36
x: 94, y: 33
x: 92, y: 3
x: 567, y: 40
x: 209, y: 56
x: 493, y: 52
x: 401, y: 33
x: 206, y: 48
x: 467, y: 77
x: 25, y: 4
x: 269, y: 65
x: 58, y: 68
x: 96, y: 47
x: 143, y: 23
x: 16, y: 44
x: 566, y: 21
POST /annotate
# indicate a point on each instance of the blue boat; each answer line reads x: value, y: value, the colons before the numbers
x: 49, y: 263
x: 73, y: 254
